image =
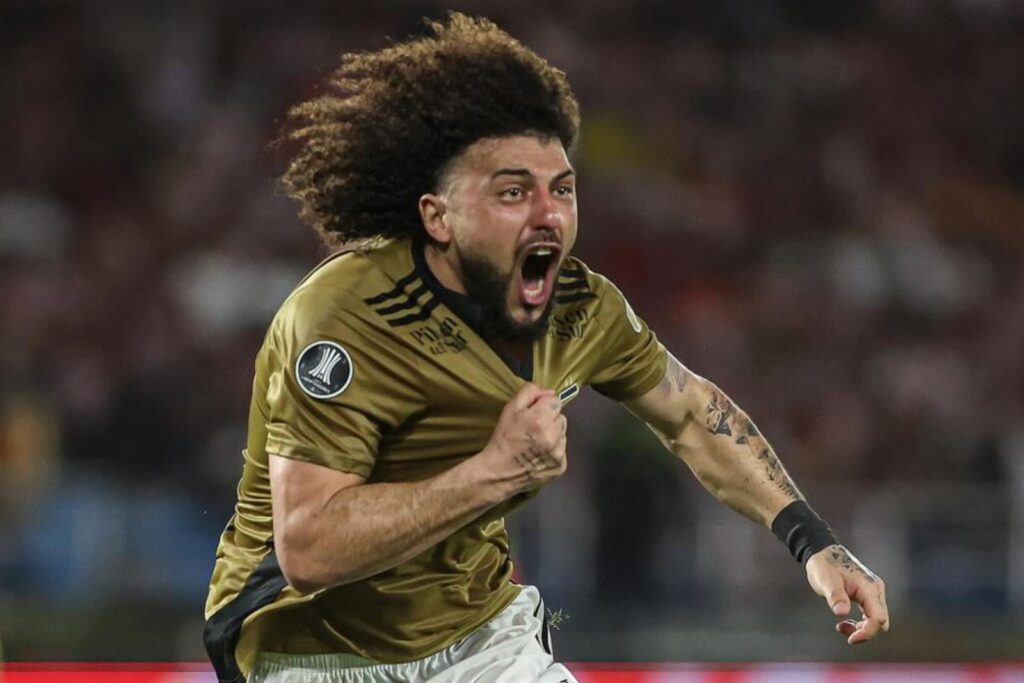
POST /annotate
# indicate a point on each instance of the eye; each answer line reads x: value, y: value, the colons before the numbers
x: 511, y: 193
x: 565, y: 191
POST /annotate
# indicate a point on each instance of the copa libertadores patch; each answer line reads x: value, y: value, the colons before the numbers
x: 324, y: 369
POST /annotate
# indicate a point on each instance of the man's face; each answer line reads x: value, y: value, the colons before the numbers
x: 511, y: 209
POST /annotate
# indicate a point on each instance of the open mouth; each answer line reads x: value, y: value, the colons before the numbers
x: 537, y: 273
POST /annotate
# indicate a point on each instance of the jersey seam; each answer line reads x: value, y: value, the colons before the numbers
x: 656, y: 377
x: 303, y: 454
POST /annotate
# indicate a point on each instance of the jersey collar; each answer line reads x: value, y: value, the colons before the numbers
x: 461, y: 305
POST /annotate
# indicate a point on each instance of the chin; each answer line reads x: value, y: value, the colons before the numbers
x: 505, y: 315
x: 528, y: 317
x: 527, y: 324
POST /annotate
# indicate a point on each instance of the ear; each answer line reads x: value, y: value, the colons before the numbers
x: 432, y: 210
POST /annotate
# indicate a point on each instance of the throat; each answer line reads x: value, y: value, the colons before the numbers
x: 517, y: 355
x: 518, y: 349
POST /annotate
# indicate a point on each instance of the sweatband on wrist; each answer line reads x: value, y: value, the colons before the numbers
x: 802, y: 530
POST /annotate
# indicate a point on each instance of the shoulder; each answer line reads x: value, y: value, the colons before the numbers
x: 576, y: 284
x: 329, y: 318
x: 326, y: 328
x: 576, y: 276
x: 334, y: 296
x: 580, y: 286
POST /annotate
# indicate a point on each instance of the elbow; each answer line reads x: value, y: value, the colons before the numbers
x: 713, y: 481
x: 297, y: 570
x: 307, y: 571
x: 299, y: 565
x: 303, y: 583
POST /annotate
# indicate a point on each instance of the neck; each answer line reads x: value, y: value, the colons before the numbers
x: 515, y: 349
x: 442, y: 266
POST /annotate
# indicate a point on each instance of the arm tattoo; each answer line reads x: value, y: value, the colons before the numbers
x: 676, y: 375
x: 723, y: 418
x: 719, y: 411
x: 777, y: 473
x: 675, y: 379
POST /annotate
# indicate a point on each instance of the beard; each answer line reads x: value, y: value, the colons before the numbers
x: 488, y: 287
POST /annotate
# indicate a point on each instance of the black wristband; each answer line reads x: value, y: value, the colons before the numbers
x: 802, y: 530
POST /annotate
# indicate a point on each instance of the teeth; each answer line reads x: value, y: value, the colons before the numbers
x: 543, y: 251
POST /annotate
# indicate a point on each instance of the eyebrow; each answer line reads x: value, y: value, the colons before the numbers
x: 525, y: 172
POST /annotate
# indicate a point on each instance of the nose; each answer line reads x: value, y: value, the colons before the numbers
x: 545, y: 211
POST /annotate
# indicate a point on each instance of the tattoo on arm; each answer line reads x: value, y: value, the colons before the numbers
x: 675, y: 379
x: 718, y: 413
x: 777, y: 473
x: 722, y: 418
x: 751, y: 431
x: 676, y: 374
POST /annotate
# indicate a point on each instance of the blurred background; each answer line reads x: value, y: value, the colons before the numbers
x: 817, y: 204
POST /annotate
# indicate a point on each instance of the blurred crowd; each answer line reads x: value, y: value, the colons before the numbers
x: 819, y: 205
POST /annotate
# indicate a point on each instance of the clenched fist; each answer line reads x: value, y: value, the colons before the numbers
x: 527, y: 448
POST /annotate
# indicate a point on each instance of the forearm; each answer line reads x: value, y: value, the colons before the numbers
x: 734, y: 461
x: 731, y: 458
x: 364, y: 530
x: 727, y: 453
x: 737, y: 464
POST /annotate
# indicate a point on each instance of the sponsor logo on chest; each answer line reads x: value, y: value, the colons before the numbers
x: 569, y: 325
x: 440, y: 338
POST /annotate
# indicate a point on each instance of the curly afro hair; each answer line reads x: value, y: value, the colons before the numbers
x: 395, y: 118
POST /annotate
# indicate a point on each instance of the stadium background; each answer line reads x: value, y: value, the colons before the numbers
x: 820, y: 205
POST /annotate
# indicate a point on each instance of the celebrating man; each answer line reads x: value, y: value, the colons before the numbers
x: 409, y: 392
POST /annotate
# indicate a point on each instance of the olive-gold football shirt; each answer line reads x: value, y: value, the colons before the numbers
x: 372, y: 367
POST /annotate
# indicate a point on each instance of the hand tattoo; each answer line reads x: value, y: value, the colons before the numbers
x: 839, y: 556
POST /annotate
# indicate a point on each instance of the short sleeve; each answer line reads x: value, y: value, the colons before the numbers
x: 630, y: 359
x: 335, y: 384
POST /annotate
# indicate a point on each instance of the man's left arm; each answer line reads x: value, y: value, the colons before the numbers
x: 729, y: 456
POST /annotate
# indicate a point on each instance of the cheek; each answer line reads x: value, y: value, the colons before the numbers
x: 570, y: 231
x: 490, y: 235
x: 497, y: 228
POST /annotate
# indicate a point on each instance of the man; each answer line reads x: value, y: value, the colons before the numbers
x: 409, y: 391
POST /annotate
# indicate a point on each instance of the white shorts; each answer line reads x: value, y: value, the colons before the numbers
x: 511, y: 648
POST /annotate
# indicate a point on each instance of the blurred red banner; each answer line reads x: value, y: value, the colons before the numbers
x: 586, y: 673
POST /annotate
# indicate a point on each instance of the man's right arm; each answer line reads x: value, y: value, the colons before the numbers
x: 332, y: 528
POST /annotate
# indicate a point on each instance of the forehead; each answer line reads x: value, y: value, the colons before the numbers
x: 521, y: 152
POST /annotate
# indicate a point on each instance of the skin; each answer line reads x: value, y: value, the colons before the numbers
x: 732, y: 459
x: 497, y: 199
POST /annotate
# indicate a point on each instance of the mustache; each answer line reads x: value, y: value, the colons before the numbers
x: 541, y: 237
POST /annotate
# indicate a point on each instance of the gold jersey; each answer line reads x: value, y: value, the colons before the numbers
x: 374, y: 368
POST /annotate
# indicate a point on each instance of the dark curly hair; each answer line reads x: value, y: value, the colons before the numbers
x: 395, y: 118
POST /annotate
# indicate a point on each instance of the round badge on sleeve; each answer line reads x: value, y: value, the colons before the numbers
x: 324, y: 369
